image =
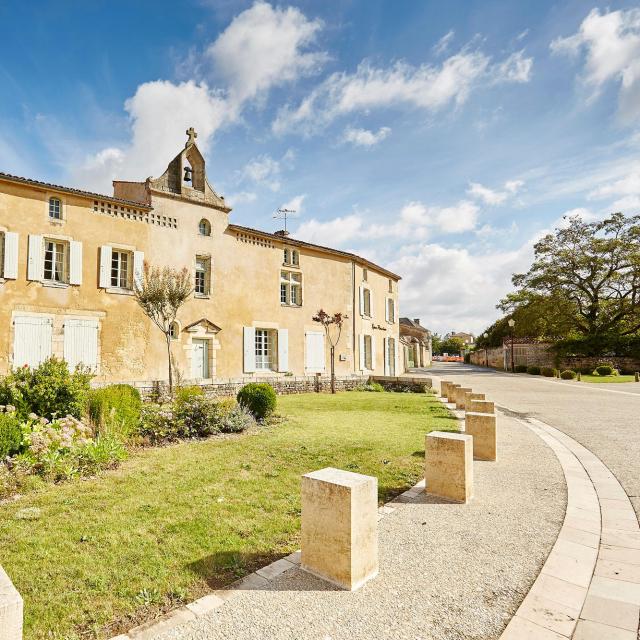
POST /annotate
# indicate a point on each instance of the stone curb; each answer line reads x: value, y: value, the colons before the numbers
x: 589, y: 585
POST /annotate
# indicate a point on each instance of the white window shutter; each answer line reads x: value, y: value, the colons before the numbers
x: 81, y: 343
x: 371, y: 313
x: 138, y: 267
x: 314, y: 352
x: 373, y: 353
x: 105, y: 266
x: 283, y: 349
x: 34, y: 264
x: 385, y: 343
x: 320, y: 356
x: 386, y: 310
x: 361, y: 300
x: 31, y: 340
x: 75, y: 262
x: 362, y: 359
x: 10, y: 267
x: 249, y: 338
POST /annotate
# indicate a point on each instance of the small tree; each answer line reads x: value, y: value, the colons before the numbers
x: 332, y: 329
x: 161, y: 292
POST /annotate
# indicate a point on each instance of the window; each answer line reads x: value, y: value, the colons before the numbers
x: 264, y: 349
x: 368, y: 360
x: 1, y: 254
x: 174, y: 330
x: 391, y: 310
x: 291, y: 288
x: 203, y: 276
x: 55, y: 260
x: 365, y: 274
x: 204, y: 228
x: 390, y: 285
x: 291, y: 257
x: 366, y: 298
x: 121, y: 269
x: 55, y: 208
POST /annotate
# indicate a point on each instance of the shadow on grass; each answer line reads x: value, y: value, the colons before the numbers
x: 223, y: 570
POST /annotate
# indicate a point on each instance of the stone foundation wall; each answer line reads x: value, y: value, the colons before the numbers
x: 285, y: 385
x: 414, y: 385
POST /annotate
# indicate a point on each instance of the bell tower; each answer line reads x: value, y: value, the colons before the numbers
x: 186, y: 177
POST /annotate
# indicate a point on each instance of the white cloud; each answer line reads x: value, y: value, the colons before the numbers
x: 416, y: 221
x: 364, y: 137
x: 423, y: 87
x: 263, y: 170
x: 234, y: 199
x: 159, y: 114
x: 623, y: 193
x: 491, y: 196
x: 265, y: 47
x: 612, y: 45
x: 295, y: 204
x: 450, y: 287
x: 443, y: 44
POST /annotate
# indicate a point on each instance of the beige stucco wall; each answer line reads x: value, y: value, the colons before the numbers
x: 245, y: 289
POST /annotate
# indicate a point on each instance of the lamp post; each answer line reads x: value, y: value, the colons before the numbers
x: 486, y: 356
x: 512, y: 323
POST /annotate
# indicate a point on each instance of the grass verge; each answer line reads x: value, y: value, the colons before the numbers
x: 174, y: 522
x: 600, y: 379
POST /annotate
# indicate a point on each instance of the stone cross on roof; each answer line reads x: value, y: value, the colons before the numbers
x: 191, y: 132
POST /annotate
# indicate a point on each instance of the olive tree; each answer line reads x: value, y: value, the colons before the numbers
x: 160, y: 292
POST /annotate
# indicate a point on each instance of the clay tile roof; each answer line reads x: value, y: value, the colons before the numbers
x: 56, y: 187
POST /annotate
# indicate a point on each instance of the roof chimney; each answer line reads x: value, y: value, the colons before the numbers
x: 416, y: 320
x: 282, y: 232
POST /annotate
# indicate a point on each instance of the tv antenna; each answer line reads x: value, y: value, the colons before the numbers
x: 284, y: 214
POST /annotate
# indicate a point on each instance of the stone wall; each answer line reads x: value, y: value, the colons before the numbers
x: 540, y: 355
x: 285, y: 385
x: 414, y: 385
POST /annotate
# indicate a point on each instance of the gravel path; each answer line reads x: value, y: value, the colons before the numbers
x: 605, y: 418
x: 447, y: 571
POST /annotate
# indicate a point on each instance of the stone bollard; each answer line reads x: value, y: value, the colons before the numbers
x: 469, y: 396
x: 451, y: 392
x: 10, y: 609
x: 444, y: 388
x: 448, y: 470
x: 482, y: 406
x: 340, y: 527
x: 482, y: 427
x: 460, y: 391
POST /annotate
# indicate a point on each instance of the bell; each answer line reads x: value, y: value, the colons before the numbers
x: 187, y: 174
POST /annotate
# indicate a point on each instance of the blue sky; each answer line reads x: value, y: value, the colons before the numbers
x: 437, y: 139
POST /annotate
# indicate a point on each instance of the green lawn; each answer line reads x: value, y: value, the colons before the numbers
x: 589, y: 378
x: 171, y: 523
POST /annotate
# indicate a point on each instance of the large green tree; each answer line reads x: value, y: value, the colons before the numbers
x: 584, y: 280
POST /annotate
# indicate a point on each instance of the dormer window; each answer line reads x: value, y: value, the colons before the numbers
x: 55, y: 209
x: 204, y: 228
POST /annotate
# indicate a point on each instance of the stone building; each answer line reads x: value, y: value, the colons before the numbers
x: 416, y: 344
x: 69, y: 260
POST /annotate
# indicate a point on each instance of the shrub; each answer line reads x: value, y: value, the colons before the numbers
x: 604, y: 370
x: 548, y: 372
x: 521, y: 368
x: 115, y: 410
x: 259, y: 398
x: 237, y: 419
x: 158, y: 423
x: 104, y: 452
x: 50, y: 390
x: 533, y: 370
x: 10, y: 434
x: 568, y: 374
x: 185, y: 393
x: 196, y: 415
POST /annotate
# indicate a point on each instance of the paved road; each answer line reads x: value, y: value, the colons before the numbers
x: 604, y: 418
